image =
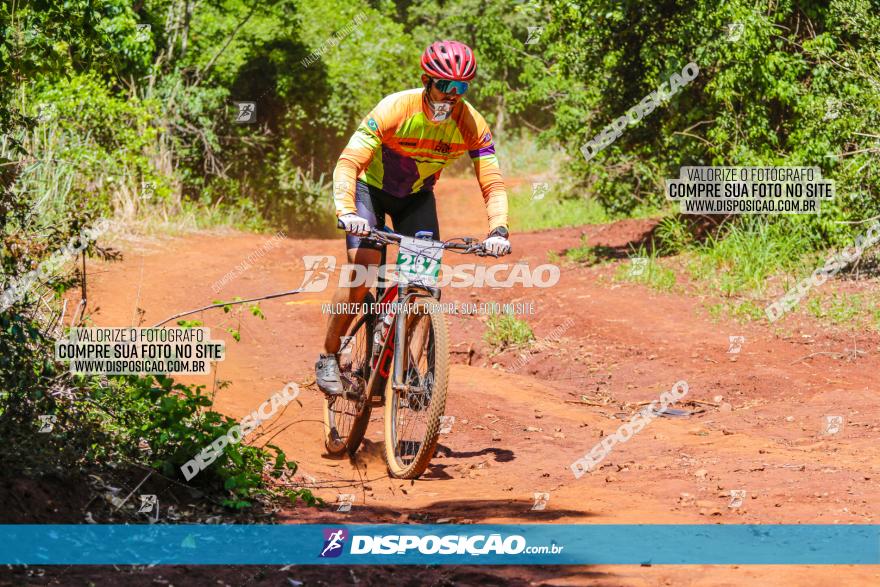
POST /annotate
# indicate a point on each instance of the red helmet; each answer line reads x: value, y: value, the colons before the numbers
x: 449, y: 60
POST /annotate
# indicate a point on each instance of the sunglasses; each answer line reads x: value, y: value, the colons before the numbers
x: 449, y: 86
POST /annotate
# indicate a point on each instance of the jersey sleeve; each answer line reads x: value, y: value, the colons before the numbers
x: 481, y: 148
x: 358, y: 153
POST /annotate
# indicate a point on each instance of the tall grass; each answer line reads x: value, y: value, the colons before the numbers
x: 507, y: 331
x: 744, y: 256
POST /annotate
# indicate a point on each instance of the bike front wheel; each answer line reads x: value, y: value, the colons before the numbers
x: 413, y: 413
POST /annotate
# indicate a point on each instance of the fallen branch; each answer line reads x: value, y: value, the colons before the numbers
x: 233, y: 303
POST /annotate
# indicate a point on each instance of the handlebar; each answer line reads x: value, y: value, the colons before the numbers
x: 467, y: 245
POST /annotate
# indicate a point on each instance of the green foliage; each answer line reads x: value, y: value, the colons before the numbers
x: 522, y: 154
x: 156, y: 106
x: 796, y: 89
x: 505, y: 331
x: 175, y: 423
x: 96, y: 422
x: 136, y: 108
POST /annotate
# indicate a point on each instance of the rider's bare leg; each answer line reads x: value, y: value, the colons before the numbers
x: 337, y: 324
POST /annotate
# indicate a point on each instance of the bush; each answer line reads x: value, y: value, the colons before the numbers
x: 783, y: 94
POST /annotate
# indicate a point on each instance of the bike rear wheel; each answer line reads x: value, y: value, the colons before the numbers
x: 346, y: 417
x: 412, y: 416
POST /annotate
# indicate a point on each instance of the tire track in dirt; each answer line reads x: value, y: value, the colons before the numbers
x: 514, y: 433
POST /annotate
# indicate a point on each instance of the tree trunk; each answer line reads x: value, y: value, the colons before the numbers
x: 187, y: 17
x: 499, y: 115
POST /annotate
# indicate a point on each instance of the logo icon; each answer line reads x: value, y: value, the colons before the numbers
x: 318, y: 270
x: 47, y: 423
x: 638, y: 266
x: 539, y: 190
x: 46, y: 112
x: 736, y: 343
x: 832, y: 425
x: 334, y: 540
x: 341, y: 188
x: 735, y: 31
x: 148, y: 502
x: 534, y: 34
x: 346, y: 344
x: 541, y: 500
x: 736, y: 498
x: 344, y: 500
x: 446, y: 423
x: 832, y: 109
x: 247, y: 112
x: 143, y: 33
x: 147, y: 189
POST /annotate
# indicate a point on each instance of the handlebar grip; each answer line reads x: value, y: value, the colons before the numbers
x: 340, y: 224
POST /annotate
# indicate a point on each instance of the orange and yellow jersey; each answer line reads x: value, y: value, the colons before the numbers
x: 398, y: 149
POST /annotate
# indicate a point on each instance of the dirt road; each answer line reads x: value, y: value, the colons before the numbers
x: 517, y: 433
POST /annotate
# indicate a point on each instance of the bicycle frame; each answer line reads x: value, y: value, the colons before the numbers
x: 391, y: 358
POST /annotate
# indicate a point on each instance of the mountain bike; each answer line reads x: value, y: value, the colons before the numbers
x: 396, y: 355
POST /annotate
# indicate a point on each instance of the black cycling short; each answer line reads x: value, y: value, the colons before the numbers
x: 409, y: 215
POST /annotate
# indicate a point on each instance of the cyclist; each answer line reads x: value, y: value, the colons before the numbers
x: 391, y: 164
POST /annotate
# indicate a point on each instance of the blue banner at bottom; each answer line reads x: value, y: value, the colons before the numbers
x: 480, y: 544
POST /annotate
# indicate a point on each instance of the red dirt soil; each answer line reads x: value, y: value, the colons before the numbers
x: 517, y: 433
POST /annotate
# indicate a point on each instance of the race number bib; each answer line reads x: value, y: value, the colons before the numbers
x: 418, y: 261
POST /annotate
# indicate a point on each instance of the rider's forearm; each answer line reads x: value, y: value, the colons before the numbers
x: 494, y: 192
x: 344, y: 177
x: 355, y: 158
x: 496, y: 209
